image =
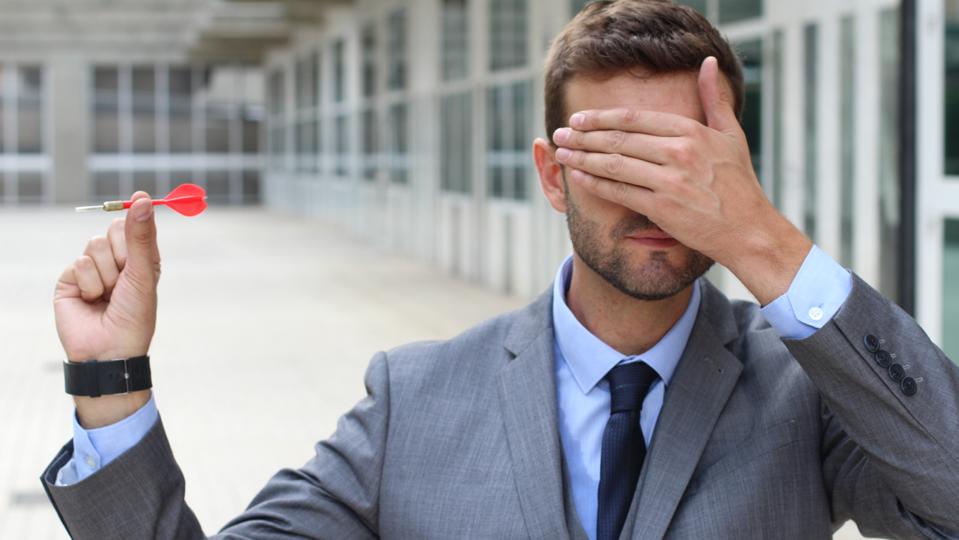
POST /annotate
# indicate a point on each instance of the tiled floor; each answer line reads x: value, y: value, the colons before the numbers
x: 290, y: 309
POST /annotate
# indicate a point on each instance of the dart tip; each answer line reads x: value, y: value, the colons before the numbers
x: 89, y: 208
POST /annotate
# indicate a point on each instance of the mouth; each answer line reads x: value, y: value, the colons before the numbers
x: 655, y: 238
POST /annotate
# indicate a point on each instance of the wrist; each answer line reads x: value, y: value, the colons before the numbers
x: 770, y: 259
x: 103, y: 411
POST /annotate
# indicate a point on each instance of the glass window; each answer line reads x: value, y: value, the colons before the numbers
x: 737, y: 10
x: 305, y: 79
x: 144, y: 109
x: 30, y: 110
x: 810, y: 102
x: 250, y: 121
x: 456, y: 143
x: 251, y: 187
x: 30, y: 187
x: 276, y: 93
x: 455, y: 45
x: 146, y: 181
x: 342, y: 134
x: 889, y: 152
x: 317, y: 66
x: 181, y: 109
x: 370, y: 140
x: 751, y: 53
x: 509, y: 110
x: 509, y: 20
x: 778, y: 170
x: 180, y: 177
x: 106, y: 185
x: 368, y: 69
x: 950, y: 290
x: 2, y: 130
x: 952, y: 87
x: 218, y: 186
x: 847, y: 147
x: 106, y: 110
x: 396, y: 50
x: 218, y: 116
x: 398, y: 137
x: 339, y: 71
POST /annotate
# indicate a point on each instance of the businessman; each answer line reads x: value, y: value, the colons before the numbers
x: 631, y: 400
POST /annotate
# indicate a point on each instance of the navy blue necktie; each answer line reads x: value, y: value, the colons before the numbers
x: 623, y: 446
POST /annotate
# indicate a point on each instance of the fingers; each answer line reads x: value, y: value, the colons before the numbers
x: 716, y: 101
x: 87, y: 278
x: 143, y: 258
x: 638, y: 145
x: 635, y: 198
x: 118, y: 244
x: 649, y: 122
x: 101, y: 252
x: 614, y: 167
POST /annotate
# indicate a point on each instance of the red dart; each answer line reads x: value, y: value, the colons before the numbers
x: 187, y: 199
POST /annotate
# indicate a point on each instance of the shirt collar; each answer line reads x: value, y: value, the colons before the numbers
x: 589, y: 359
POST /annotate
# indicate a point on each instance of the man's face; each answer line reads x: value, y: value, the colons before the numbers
x: 623, y: 247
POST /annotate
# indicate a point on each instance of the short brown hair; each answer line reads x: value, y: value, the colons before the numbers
x: 657, y: 36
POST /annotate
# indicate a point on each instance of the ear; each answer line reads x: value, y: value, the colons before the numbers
x: 550, y: 174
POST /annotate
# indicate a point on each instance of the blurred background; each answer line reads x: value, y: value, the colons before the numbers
x: 396, y: 134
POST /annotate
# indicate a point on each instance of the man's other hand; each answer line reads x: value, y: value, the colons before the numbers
x: 695, y: 181
x: 105, y: 305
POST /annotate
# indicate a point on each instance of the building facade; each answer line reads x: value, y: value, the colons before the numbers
x: 98, y: 99
x: 410, y: 122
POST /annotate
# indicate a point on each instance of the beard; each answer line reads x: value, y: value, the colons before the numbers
x: 656, y: 279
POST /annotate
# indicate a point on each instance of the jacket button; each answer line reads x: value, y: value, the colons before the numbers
x: 897, y: 372
x: 908, y: 386
x: 883, y: 358
x: 872, y: 343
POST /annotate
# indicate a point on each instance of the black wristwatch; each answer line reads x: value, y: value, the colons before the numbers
x: 95, y: 379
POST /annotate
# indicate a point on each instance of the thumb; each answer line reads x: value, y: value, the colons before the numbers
x: 715, y: 98
x: 141, y: 239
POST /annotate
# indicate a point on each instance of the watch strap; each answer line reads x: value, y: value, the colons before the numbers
x: 94, y: 379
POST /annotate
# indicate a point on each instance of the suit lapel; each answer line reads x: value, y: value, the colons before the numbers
x: 527, y: 392
x: 697, y: 394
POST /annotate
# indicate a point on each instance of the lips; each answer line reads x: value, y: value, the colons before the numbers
x: 654, y: 239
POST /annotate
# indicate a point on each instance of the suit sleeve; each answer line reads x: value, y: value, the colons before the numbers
x: 890, y: 441
x: 334, y: 495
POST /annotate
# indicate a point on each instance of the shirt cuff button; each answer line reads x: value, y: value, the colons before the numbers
x: 816, y: 313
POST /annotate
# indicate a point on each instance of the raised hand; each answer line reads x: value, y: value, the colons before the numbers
x: 105, y: 304
x: 695, y: 181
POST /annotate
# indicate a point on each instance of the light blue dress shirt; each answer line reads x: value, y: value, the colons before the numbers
x: 582, y: 361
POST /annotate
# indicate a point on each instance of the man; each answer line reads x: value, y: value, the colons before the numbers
x: 632, y: 400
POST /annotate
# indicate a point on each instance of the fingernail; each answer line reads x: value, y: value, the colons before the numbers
x: 577, y: 120
x: 561, y: 134
x: 563, y: 154
x: 144, y: 212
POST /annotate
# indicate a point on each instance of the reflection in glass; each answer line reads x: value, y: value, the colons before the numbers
x: 737, y: 10
x: 342, y: 134
x: 751, y: 53
x: 251, y: 187
x: 368, y: 59
x: 950, y: 289
x: 455, y: 40
x: 456, y: 143
x: 952, y: 88
x: 847, y: 147
x: 509, y: 36
x: 398, y: 141
x: 369, y: 137
x: 339, y: 71
x: 106, y: 110
x: 509, y: 110
x: 181, y: 89
x: 144, y: 109
x: 778, y: 168
x: 29, y: 110
x: 30, y: 187
x: 810, y: 103
x: 889, y: 152
x: 396, y: 50
x: 218, y: 186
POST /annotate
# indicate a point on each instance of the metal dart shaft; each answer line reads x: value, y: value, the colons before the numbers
x: 109, y: 206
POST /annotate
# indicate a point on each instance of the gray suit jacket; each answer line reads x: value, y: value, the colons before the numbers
x: 458, y: 439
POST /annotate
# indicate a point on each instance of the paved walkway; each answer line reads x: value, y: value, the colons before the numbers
x: 292, y: 310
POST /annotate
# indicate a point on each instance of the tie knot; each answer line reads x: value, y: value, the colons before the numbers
x: 628, y: 385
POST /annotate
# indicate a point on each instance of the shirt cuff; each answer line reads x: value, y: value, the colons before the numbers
x: 815, y: 295
x: 93, y: 449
